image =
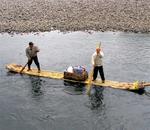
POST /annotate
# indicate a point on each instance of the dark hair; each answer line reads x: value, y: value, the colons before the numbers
x: 30, y: 43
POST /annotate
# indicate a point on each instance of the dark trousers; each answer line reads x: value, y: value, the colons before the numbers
x: 101, y: 72
x: 35, y: 59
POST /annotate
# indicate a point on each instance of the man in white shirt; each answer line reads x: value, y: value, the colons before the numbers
x: 98, y: 64
x: 31, y: 53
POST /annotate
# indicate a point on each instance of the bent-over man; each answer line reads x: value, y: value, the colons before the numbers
x: 31, y: 53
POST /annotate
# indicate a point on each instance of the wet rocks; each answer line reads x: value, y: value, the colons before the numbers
x: 74, y: 15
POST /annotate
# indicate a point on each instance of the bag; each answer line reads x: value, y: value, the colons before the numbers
x: 79, y: 73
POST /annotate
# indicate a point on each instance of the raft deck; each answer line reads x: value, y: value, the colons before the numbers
x: 60, y: 75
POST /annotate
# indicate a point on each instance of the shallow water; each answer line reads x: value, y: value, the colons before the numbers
x: 32, y: 103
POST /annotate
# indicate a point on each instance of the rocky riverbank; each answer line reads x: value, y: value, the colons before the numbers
x: 74, y: 15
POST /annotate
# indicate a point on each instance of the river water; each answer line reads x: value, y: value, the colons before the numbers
x: 33, y: 103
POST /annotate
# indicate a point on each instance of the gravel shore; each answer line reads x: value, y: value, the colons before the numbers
x: 74, y: 15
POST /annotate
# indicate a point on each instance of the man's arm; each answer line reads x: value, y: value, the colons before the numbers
x: 27, y: 54
x: 101, y: 54
x: 37, y: 49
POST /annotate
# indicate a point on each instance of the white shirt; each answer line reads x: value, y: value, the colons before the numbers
x: 97, y: 59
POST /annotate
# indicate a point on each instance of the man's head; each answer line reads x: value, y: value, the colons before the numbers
x: 98, y: 50
x: 31, y: 44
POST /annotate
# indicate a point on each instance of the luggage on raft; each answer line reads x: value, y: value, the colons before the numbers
x: 77, y: 73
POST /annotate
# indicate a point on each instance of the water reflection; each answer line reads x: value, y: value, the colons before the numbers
x: 96, y: 97
x: 9, y: 73
x: 74, y: 88
x: 140, y: 91
x: 36, y: 84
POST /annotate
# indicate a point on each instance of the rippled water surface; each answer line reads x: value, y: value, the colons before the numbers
x: 33, y: 103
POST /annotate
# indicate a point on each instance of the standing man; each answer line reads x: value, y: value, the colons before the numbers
x: 98, y: 64
x: 31, y: 53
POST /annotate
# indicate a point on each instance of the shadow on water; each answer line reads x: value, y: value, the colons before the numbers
x: 96, y: 97
x: 140, y: 91
x: 36, y: 84
x: 74, y: 88
x: 11, y: 73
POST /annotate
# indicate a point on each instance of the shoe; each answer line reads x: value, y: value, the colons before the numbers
x: 29, y: 70
x: 39, y: 71
x: 103, y: 81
